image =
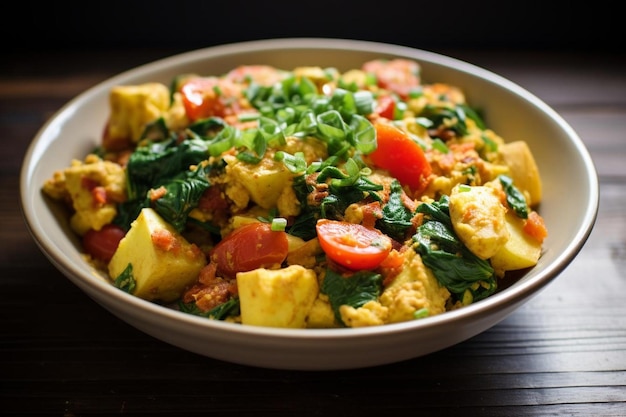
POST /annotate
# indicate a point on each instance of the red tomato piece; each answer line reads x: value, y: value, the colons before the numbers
x: 249, y: 247
x: 397, y: 75
x: 386, y: 107
x: 265, y: 75
x: 102, y: 244
x: 535, y: 226
x: 397, y: 153
x: 353, y: 245
x: 207, y: 96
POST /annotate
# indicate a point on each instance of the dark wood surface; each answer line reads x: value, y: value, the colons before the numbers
x: 563, y: 353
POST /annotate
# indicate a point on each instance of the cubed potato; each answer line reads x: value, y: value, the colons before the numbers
x: 523, y: 169
x: 520, y: 251
x: 277, y: 298
x: 163, y: 262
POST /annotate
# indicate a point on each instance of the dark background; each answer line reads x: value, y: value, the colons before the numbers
x: 593, y: 26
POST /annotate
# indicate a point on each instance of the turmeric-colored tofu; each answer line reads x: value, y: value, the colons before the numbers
x: 133, y: 107
x: 277, y: 298
x: 163, y: 262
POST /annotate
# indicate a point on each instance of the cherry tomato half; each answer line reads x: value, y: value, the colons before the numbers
x: 400, y: 76
x: 353, y: 245
x: 386, y: 107
x: 252, y: 246
x: 401, y: 156
x: 207, y: 96
x: 102, y: 244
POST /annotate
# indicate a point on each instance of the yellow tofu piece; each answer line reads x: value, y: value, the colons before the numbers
x: 478, y: 218
x: 520, y: 251
x: 414, y: 289
x: 163, y: 262
x: 134, y: 106
x: 265, y: 181
x: 277, y: 298
x: 79, y: 182
x: 321, y: 315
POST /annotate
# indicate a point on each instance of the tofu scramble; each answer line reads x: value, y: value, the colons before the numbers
x: 304, y: 198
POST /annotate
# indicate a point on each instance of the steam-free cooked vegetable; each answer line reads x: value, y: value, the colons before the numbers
x: 304, y: 198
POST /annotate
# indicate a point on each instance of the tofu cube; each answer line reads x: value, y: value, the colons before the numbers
x: 277, y: 298
x: 133, y: 107
x: 82, y: 181
x: 478, y: 218
x: 163, y: 262
x: 265, y: 181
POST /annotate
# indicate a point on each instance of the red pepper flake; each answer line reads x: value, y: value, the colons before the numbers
x: 210, y: 291
x: 165, y: 240
x: 155, y: 194
x: 99, y: 196
x: 371, y: 213
x: 88, y: 183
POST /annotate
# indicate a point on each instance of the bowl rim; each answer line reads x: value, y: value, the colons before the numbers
x: 499, y: 301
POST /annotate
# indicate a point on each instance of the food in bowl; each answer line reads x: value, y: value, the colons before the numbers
x: 304, y: 198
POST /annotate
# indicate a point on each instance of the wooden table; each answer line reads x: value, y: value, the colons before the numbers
x: 563, y: 353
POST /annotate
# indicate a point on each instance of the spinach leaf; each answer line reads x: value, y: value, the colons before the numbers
x: 228, y: 309
x: 354, y: 290
x: 153, y: 162
x: 467, y: 276
x: 155, y: 131
x: 165, y: 163
x: 126, y: 280
x: 304, y: 225
x: 514, y: 197
x: 452, y: 118
x: 182, y: 195
x: 209, y: 127
x: 344, y: 188
x: 396, y: 217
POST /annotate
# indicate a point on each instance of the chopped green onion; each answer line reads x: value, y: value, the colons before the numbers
x: 416, y: 92
x: 421, y: 313
x: 490, y: 144
x: 295, y: 163
x: 364, y: 134
x: 371, y: 79
x: 278, y: 224
x: 439, y: 145
x: 424, y: 122
x: 248, y: 117
x: 364, y: 102
x: 399, y: 109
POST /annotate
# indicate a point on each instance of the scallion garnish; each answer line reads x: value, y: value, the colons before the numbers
x: 278, y: 224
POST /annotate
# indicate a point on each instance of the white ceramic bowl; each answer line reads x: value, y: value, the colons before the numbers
x: 509, y: 109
